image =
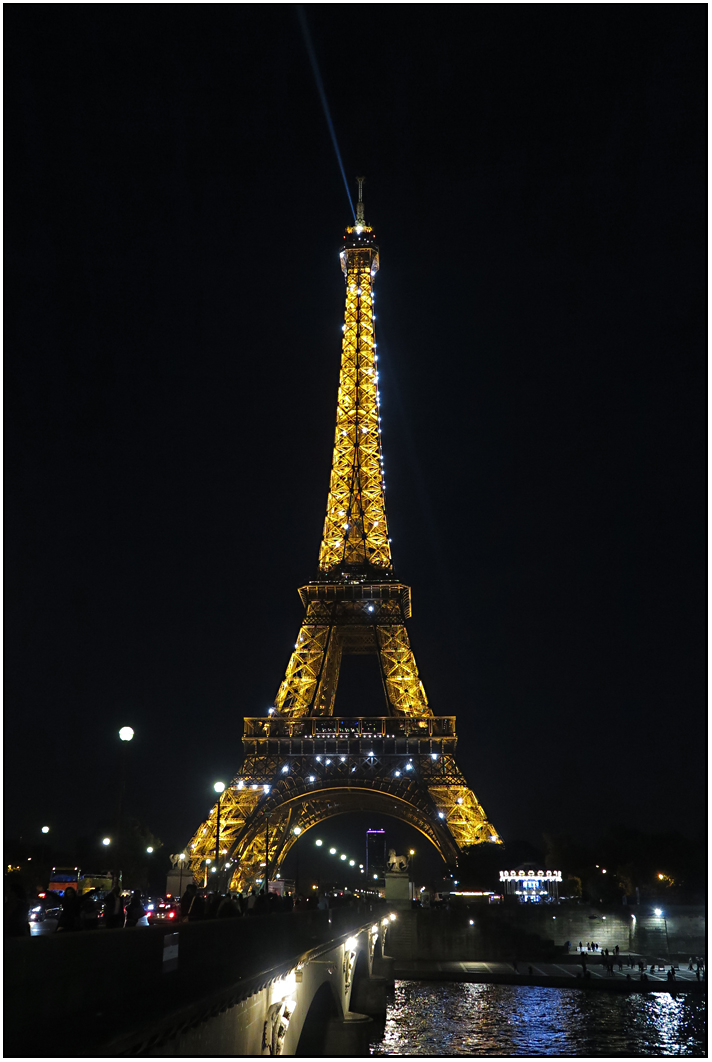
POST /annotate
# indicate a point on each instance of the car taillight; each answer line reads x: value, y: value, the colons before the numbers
x: 171, y: 914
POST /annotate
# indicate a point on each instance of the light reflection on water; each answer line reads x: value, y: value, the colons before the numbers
x: 453, y: 1018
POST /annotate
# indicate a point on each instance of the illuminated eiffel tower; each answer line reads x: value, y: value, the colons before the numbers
x: 302, y: 763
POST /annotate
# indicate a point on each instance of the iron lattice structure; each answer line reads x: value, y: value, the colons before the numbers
x: 302, y: 764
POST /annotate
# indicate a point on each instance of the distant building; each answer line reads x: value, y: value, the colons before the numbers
x: 530, y: 884
x: 375, y: 853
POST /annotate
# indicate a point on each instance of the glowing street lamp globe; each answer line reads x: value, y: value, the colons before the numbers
x: 126, y: 733
x: 45, y: 829
x: 219, y: 787
x: 149, y: 849
x: 106, y: 841
x: 318, y: 843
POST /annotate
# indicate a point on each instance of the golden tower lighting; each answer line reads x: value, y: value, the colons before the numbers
x: 303, y: 763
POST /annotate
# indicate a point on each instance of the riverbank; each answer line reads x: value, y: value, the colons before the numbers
x: 550, y: 975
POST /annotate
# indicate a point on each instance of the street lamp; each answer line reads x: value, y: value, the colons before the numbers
x: 181, y: 859
x: 660, y: 914
x: 219, y: 788
x: 296, y: 831
x: 106, y: 842
x: 126, y: 734
x: 45, y: 829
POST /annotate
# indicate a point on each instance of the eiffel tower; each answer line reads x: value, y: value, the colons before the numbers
x: 302, y: 763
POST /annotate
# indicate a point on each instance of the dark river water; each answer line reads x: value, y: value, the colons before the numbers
x: 450, y: 1019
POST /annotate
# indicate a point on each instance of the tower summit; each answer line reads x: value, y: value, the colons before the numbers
x: 355, y: 539
x: 303, y: 763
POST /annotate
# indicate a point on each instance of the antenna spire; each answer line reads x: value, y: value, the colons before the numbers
x: 359, y: 205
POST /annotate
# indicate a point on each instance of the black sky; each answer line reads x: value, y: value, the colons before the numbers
x: 536, y: 180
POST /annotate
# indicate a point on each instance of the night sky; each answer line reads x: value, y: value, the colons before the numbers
x: 174, y: 210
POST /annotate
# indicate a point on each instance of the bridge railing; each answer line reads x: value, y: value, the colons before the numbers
x: 101, y: 992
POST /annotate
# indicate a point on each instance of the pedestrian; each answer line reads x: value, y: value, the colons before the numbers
x: 212, y: 902
x: 274, y: 903
x: 323, y: 902
x: 531, y: 971
x: 251, y: 901
x: 114, y: 909
x: 288, y: 902
x: 16, y: 919
x: 192, y: 904
x: 616, y: 949
x: 620, y: 963
x: 261, y: 903
x: 134, y: 910
x: 691, y: 964
x: 580, y: 946
x: 69, y: 918
x: 89, y: 910
x: 697, y: 972
x: 672, y: 972
x: 228, y: 908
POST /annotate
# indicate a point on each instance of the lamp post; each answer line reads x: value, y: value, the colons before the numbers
x: 125, y: 735
x: 411, y: 853
x: 181, y: 859
x: 149, y: 853
x: 320, y: 866
x: 45, y: 831
x: 660, y: 914
x: 219, y: 788
x: 296, y: 831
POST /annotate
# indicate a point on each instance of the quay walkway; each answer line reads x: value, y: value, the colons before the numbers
x: 565, y: 974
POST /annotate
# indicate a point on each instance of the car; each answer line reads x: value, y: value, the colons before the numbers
x: 47, y: 905
x: 163, y: 912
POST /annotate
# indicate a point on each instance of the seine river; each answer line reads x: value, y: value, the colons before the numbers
x: 450, y: 1019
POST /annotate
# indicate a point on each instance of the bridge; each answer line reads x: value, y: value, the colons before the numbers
x: 297, y: 983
